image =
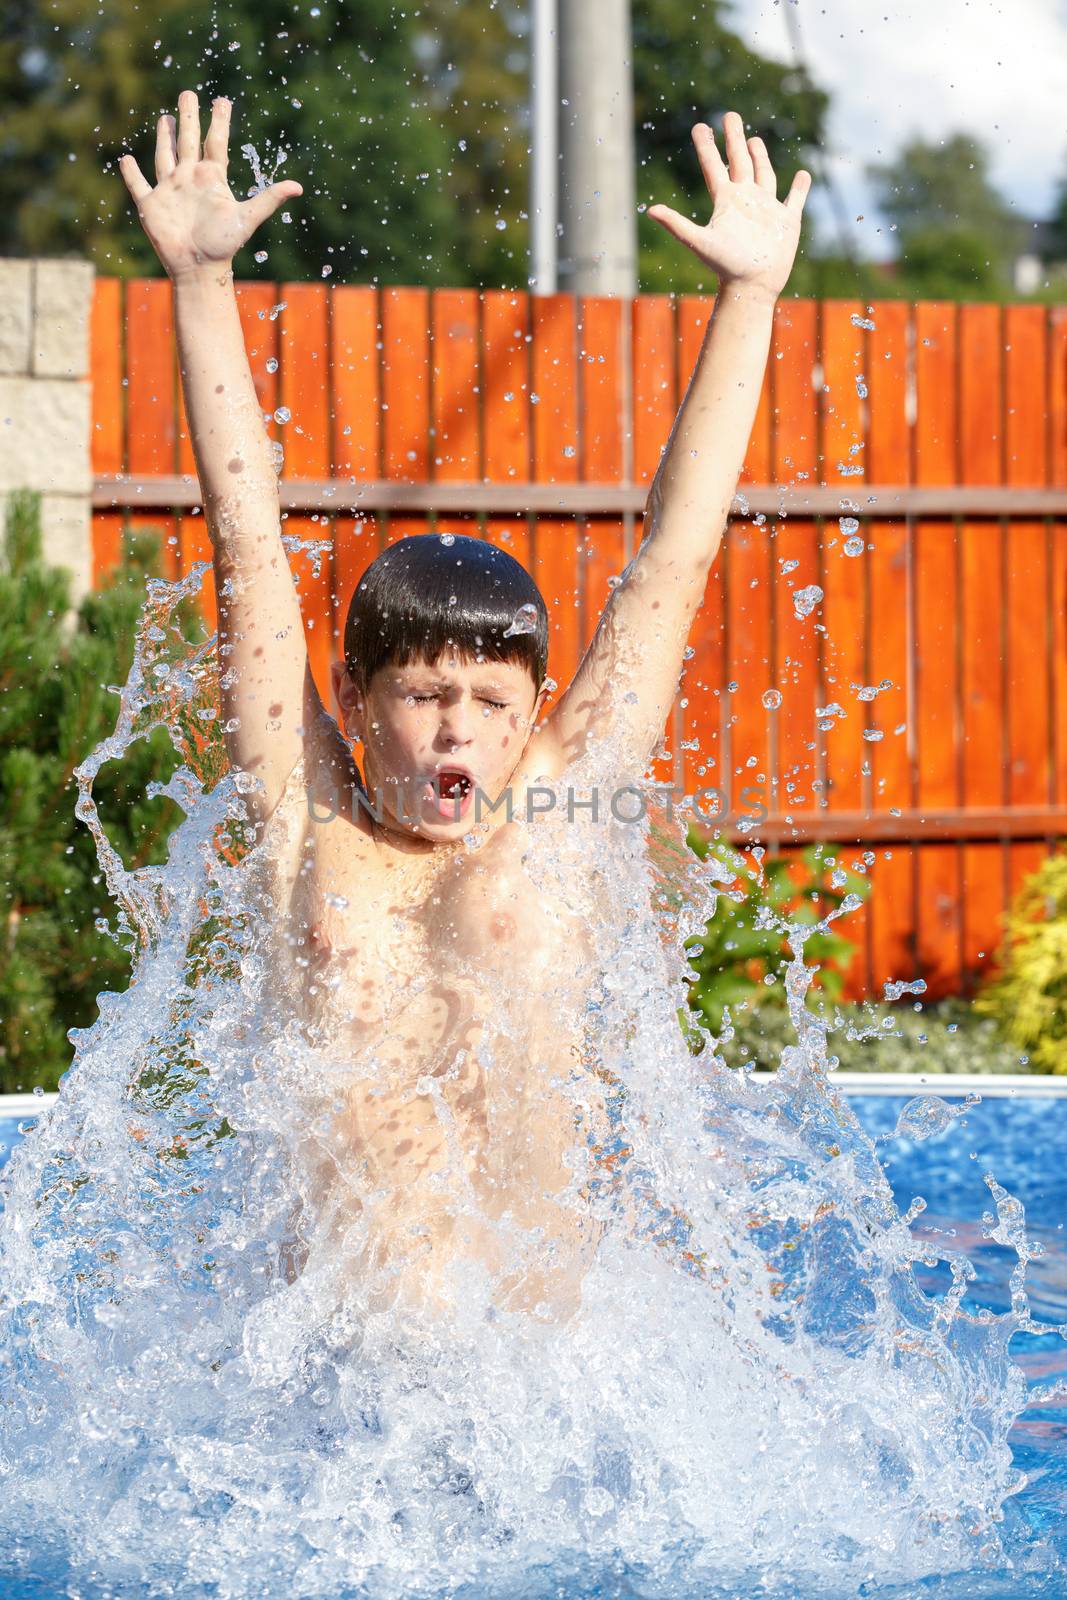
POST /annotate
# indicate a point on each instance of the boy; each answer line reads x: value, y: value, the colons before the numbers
x: 409, y: 912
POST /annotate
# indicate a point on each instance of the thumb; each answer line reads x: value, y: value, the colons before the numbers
x: 266, y: 202
x: 681, y: 227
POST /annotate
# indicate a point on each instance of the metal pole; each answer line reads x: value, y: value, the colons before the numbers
x: 544, y: 146
x: 598, y: 187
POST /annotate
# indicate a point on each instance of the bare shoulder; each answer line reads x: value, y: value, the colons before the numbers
x: 543, y: 761
x: 319, y: 802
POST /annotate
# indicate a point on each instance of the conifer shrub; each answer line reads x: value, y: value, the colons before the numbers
x: 59, y: 675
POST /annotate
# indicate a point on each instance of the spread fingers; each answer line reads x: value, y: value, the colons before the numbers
x: 761, y: 163
x: 737, y: 151
x: 166, y: 148
x: 217, y: 143
x: 712, y: 164
x: 188, y: 126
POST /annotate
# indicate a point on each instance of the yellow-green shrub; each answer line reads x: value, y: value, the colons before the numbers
x: 1028, y: 997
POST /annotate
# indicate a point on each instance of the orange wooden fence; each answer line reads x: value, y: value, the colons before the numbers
x: 922, y: 713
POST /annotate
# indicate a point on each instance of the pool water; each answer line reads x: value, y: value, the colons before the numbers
x: 1023, y: 1142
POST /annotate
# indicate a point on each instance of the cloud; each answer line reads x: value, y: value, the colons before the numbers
x: 996, y: 69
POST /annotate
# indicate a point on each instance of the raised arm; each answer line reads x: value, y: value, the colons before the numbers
x: 196, y: 227
x: 628, y: 677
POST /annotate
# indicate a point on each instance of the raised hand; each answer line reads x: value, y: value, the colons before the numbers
x: 191, y: 216
x: 752, y: 237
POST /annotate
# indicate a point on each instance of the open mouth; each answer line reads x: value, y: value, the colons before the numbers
x: 450, y: 792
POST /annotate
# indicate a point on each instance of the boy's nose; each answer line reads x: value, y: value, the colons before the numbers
x: 457, y: 725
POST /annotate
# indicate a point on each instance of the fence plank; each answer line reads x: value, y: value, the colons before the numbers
x: 106, y: 454
x: 151, y: 407
x: 938, y: 908
x: 704, y: 681
x: 1058, y: 584
x: 892, y: 907
x: 304, y: 344
x: 194, y: 543
x: 457, y: 454
x: 506, y: 386
x: 655, y: 404
x: 1027, y: 580
x: 357, y: 442
x: 796, y: 553
x: 844, y: 584
x: 405, y: 316
x: 749, y: 576
x: 554, y: 353
x: 600, y: 384
x: 982, y: 573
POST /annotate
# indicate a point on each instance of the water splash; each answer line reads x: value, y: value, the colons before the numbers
x: 215, y: 1383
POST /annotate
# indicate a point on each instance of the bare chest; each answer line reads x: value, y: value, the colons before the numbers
x: 425, y: 943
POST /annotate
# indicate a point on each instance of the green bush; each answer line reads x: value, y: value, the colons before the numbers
x: 743, y: 948
x: 947, y: 1036
x: 55, y: 706
x: 1028, y: 997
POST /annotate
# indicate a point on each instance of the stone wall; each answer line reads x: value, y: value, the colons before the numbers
x: 45, y: 415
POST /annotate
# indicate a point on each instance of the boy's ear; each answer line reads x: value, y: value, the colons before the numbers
x: 348, y: 698
x: 539, y: 704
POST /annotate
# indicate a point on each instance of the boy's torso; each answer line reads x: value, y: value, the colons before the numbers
x: 456, y: 981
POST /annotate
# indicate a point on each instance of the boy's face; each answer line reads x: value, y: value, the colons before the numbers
x: 455, y: 723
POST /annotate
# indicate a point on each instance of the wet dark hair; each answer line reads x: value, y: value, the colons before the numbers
x: 431, y: 591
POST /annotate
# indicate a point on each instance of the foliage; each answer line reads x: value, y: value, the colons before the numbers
x: 690, y: 66
x: 407, y: 125
x: 340, y: 88
x: 1028, y: 997
x: 945, y: 1036
x: 958, y: 236
x: 55, y: 706
x: 742, y: 949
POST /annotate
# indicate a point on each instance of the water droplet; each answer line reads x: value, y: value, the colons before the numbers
x: 260, y: 255
x: 500, y: 224
x: 853, y: 546
x: 326, y: 271
x: 923, y: 1117
x: 771, y: 699
x: 448, y: 538
x: 524, y: 621
x: 282, y: 414
x: 272, y: 364
x: 805, y: 600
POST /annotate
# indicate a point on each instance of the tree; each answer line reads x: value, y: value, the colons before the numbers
x: 407, y: 121
x: 690, y: 66
x: 1058, y: 221
x: 338, y: 88
x: 957, y: 235
x: 54, y: 708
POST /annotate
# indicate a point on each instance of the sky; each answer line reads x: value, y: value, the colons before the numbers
x: 996, y: 69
